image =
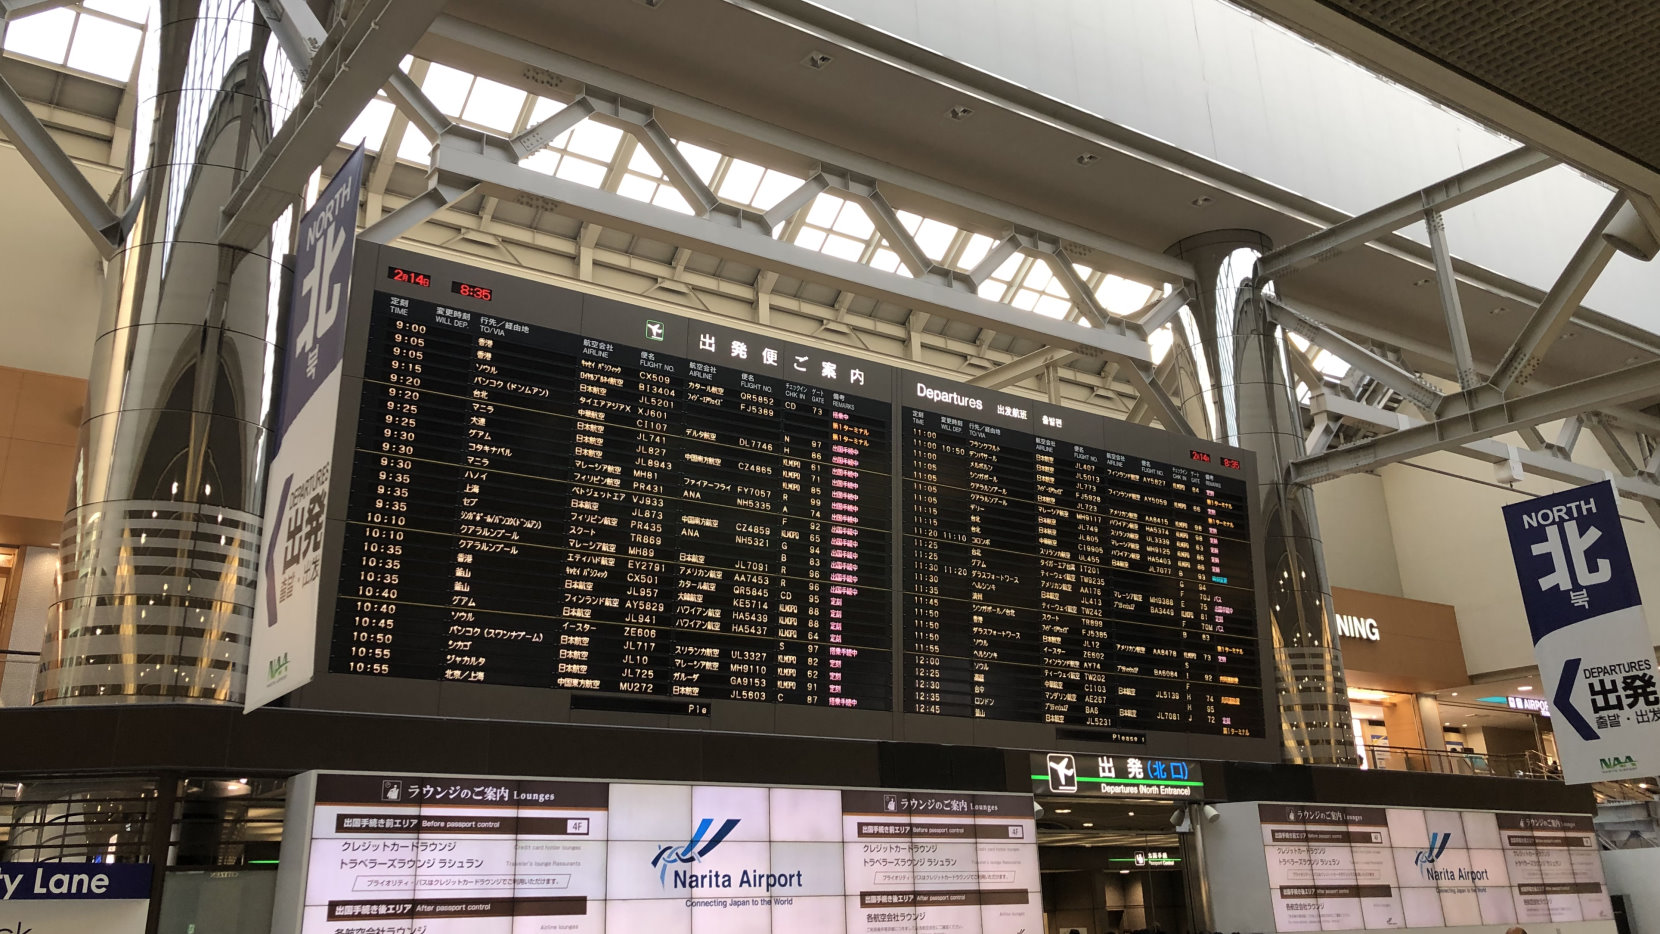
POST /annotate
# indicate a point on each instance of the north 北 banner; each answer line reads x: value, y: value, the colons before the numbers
x: 283, y: 645
x: 1590, y: 636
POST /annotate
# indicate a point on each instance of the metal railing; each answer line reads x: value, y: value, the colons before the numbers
x: 1530, y: 764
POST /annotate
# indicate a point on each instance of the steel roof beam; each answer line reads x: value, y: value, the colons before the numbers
x: 297, y: 29
x: 1162, y: 311
x: 1467, y: 185
x: 62, y: 177
x: 1480, y: 421
x: 1387, y: 372
x: 463, y: 159
x: 414, y: 104
x: 1553, y: 314
x: 1016, y: 370
x: 355, y: 61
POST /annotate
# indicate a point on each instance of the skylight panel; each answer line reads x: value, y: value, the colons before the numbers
x: 637, y: 187
x: 1050, y: 306
x: 669, y: 197
x: 1331, y: 365
x: 370, y: 126
x: 120, y: 9
x: 414, y: 147
x: 447, y: 88
x: 595, y: 140
x: 44, y: 35
x: 641, y: 161
x: 1159, y: 343
x: 494, y: 105
x: 885, y: 260
x: 543, y: 109
x: 543, y: 160
x: 1298, y: 341
x: 853, y: 222
x: 974, y: 251
x: 810, y: 238
x: 843, y: 247
x: 703, y: 161
x: 934, y: 238
x: 824, y: 210
x: 775, y: 185
x: 741, y: 182
x: 581, y: 171
x: 104, y: 48
x: 1121, y: 296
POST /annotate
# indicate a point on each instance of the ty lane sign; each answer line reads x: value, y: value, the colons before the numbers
x: 1590, y: 636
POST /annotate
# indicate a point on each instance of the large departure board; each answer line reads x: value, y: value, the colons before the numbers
x: 558, y: 490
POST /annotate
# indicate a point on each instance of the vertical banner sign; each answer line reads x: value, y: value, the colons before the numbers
x: 1589, y: 633
x: 281, y: 657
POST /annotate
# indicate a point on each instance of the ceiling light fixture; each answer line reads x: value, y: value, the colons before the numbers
x: 1063, y: 810
x: 1088, y: 824
x: 1087, y: 158
x: 960, y: 112
x: 1202, y: 201
x: 1525, y: 687
x: 817, y: 60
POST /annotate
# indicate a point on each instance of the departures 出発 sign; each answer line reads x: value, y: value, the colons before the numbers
x: 1065, y: 773
x: 1590, y: 636
x: 283, y: 642
x: 72, y: 898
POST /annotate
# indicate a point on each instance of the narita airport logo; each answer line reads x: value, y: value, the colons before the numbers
x: 698, y: 847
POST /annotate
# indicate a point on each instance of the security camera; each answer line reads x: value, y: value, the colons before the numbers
x: 1037, y: 811
x: 1212, y: 815
x: 1180, y: 821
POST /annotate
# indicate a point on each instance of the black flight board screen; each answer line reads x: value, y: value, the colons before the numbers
x: 537, y: 507
x: 599, y: 497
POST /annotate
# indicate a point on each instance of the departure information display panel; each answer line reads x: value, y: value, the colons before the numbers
x: 558, y: 490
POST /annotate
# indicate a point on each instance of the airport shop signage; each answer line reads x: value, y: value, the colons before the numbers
x: 74, y: 898
x: 1088, y: 775
x: 1590, y: 636
x: 283, y: 645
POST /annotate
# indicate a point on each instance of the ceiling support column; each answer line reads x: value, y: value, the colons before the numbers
x: 1249, y: 398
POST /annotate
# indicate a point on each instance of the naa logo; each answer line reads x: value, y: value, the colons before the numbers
x: 695, y: 849
x: 1425, y: 860
x: 1618, y: 763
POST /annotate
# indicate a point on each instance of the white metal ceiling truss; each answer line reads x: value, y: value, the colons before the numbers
x: 475, y: 170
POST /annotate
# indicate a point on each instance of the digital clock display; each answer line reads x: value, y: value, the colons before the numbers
x: 1200, y: 456
x: 470, y: 291
x: 400, y: 274
x: 1231, y: 463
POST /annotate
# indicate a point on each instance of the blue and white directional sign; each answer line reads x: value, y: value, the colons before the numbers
x: 1590, y: 636
x: 281, y: 654
x: 46, y: 898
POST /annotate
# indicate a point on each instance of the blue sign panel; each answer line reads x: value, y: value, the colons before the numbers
x: 1592, y: 642
x: 73, y: 881
x: 322, y: 277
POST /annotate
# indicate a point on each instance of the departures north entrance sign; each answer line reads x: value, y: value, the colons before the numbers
x: 1065, y: 773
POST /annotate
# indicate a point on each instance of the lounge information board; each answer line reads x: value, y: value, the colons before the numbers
x: 441, y: 855
x: 559, y: 490
x: 1339, y: 868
